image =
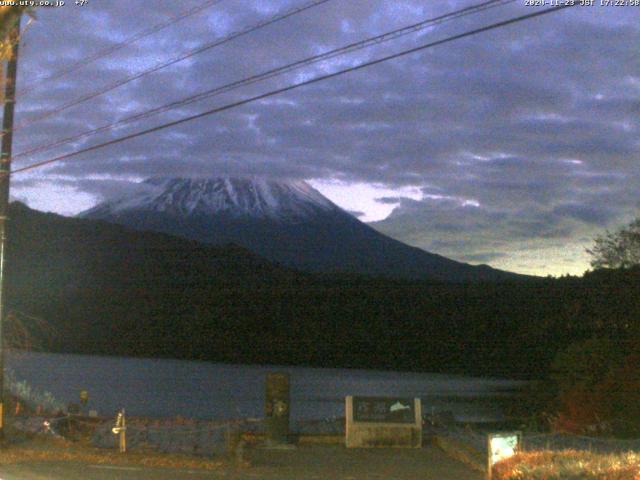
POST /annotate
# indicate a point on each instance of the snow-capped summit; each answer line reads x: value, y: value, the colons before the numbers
x: 248, y: 197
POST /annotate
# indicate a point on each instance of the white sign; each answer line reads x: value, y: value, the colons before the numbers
x: 503, y: 445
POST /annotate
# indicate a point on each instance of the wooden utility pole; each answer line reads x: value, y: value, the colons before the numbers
x: 5, y: 176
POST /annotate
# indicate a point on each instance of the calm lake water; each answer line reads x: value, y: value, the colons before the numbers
x: 166, y: 388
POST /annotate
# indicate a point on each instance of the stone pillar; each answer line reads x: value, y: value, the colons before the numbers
x: 277, y: 409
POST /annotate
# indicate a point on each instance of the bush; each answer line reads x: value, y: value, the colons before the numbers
x: 598, y: 389
x: 568, y: 465
x: 623, y: 386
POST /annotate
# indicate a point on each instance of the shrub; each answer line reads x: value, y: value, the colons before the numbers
x: 568, y: 465
x: 597, y: 388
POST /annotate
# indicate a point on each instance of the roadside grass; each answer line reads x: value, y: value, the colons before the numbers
x: 40, y: 449
x: 569, y: 465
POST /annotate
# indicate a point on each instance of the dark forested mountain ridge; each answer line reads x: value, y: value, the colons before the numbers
x: 104, y: 289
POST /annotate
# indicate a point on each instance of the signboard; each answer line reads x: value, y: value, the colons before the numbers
x: 276, y: 408
x: 501, y: 446
x: 383, y: 409
x: 383, y: 422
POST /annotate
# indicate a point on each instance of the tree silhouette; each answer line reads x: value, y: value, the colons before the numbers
x: 619, y: 249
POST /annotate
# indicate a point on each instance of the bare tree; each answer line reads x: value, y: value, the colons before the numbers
x: 27, y: 332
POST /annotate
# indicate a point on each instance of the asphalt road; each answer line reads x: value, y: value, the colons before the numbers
x: 79, y: 471
x: 307, y: 462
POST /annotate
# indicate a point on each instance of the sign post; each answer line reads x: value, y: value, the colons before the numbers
x: 120, y: 429
x: 277, y: 403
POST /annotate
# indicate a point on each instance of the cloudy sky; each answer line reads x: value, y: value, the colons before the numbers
x: 513, y: 147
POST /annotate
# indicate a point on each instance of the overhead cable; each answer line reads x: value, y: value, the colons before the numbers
x: 113, y: 48
x: 352, y: 47
x: 294, y: 86
x: 203, y: 48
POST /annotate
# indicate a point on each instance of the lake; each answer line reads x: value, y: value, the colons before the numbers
x: 167, y: 388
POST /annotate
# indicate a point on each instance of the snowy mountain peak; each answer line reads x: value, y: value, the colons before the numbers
x: 282, y: 221
x: 250, y: 197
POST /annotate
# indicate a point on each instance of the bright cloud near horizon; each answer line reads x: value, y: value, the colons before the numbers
x: 513, y: 148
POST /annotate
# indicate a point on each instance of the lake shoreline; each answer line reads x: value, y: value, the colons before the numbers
x: 202, y: 390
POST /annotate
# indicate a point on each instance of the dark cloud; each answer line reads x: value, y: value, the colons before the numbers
x: 592, y: 214
x: 522, y: 134
x: 547, y: 238
x: 482, y: 257
x: 389, y: 200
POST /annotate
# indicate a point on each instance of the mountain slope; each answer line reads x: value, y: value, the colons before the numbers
x: 286, y: 222
x: 105, y: 289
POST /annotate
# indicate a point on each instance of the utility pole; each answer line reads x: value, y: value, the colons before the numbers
x: 5, y: 177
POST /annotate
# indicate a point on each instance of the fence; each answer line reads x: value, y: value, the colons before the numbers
x: 198, y: 438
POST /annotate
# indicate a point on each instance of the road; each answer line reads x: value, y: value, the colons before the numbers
x: 79, y: 471
x: 316, y: 462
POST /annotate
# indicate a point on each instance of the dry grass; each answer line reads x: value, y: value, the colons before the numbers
x: 50, y: 449
x: 569, y: 465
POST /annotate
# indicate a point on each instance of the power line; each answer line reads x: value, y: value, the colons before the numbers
x: 174, y: 60
x: 294, y: 86
x: 107, y: 51
x: 385, y: 37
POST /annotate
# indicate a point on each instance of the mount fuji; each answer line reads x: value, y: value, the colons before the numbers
x: 284, y: 221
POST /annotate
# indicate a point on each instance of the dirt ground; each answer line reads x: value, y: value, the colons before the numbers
x: 338, y: 462
x: 326, y: 462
